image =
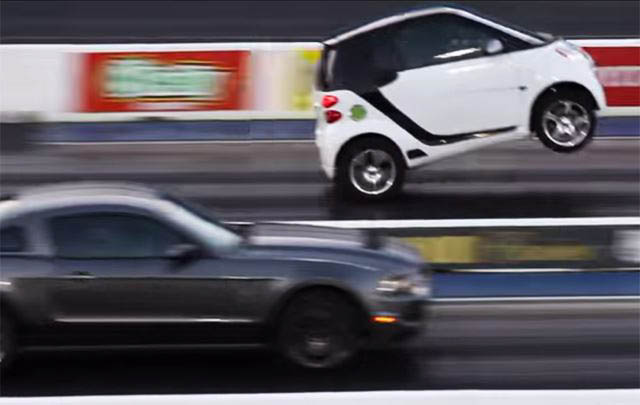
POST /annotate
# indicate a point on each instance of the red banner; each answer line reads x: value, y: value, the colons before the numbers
x: 164, y: 81
x: 619, y: 73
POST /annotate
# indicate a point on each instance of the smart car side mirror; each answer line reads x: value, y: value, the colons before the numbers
x: 493, y: 46
x: 183, y: 252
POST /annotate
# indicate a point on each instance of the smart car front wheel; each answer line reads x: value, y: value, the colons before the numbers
x: 565, y: 121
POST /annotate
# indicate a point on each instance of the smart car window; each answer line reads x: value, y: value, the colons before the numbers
x: 107, y: 236
x: 355, y: 63
x: 444, y: 38
x: 12, y: 240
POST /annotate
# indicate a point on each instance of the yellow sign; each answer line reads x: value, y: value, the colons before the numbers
x: 447, y: 249
x: 468, y: 249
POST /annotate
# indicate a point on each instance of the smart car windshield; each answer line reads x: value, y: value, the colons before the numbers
x: 544, y: 37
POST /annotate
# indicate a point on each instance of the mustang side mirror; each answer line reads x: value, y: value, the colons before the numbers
x: 493, y: 46
x: 183, y: 253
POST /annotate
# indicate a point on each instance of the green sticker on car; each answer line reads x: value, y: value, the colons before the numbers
x: 358, y: 112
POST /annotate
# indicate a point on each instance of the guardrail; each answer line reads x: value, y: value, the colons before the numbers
x: 525, y: 257
x: 516, y: 243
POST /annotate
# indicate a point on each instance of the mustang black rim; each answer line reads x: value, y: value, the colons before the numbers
x: 317, y: 342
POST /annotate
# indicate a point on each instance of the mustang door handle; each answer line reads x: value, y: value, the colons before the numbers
x: 80, y: 275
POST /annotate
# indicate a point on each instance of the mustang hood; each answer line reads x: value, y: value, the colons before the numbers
x: 326, y: 237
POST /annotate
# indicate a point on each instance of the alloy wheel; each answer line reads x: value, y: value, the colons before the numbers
x: 372, y: 171
x: 566, y: 123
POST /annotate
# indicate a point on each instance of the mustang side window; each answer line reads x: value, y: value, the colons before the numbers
x: 104, y: 236
x: 12, y: 240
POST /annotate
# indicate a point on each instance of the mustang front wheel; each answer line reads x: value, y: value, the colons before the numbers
x: 319, y: 329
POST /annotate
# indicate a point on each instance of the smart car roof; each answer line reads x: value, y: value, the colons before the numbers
x: 382, y: 20
x: 434, y: 9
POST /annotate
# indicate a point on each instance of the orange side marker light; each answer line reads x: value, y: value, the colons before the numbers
x: 384, y: 319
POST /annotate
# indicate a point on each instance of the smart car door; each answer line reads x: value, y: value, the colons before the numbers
x: 447, y: 83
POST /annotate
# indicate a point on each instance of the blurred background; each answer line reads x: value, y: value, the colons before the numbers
x: 196, y: 21
x: 245, y: 149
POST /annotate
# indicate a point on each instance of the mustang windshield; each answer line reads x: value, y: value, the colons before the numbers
x: 216, y: 232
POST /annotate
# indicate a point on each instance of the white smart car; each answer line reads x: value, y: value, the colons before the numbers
x: 416, y: 87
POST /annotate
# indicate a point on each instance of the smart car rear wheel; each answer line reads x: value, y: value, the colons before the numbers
x: 319, y: 329
x: 565, y: 122
x: 371, y: 169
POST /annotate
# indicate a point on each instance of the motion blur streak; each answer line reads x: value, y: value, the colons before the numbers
x: 196, y: 21
x: 515, y: 180
x: 550, y: 344
x: 384, y: 319
x: 555, y: 306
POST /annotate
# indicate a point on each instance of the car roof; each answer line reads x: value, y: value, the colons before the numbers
x: 422, y: 11
x: 86, y: 188
x: 70, y: 194
x: 383, y: 20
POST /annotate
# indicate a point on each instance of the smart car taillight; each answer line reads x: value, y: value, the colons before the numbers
x: 329, y: 101
x: 332, y: 116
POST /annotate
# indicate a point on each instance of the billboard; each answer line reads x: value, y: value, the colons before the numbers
x: 619, y: 73
x: 289, y: 83
x: 163, y: 81
x: 121, y: 82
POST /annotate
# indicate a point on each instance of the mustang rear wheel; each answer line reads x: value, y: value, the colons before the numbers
x: 565, y: 121
x: 319, y: 329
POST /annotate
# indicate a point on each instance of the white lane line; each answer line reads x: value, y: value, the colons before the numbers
x: 464, y: 223
x: 176, y: 116
x: 538, y: 299
x: 443, y: 397
x: 194, y: 142
x: 543, y: 270
x: 262, y: 141
x: 154, y: 320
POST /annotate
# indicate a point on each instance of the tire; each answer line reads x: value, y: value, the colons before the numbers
x: 565, y: 121
x: 373, y: 162
x: 320, y: 329
x: 7, y: 342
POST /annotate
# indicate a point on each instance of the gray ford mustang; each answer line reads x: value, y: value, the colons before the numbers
x: 99, y: 264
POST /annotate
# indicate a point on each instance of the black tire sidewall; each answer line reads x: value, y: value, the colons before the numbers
x: 575, y: 97
x: 343, y: 182
x: 8, y: 341
x: 340, y: 310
